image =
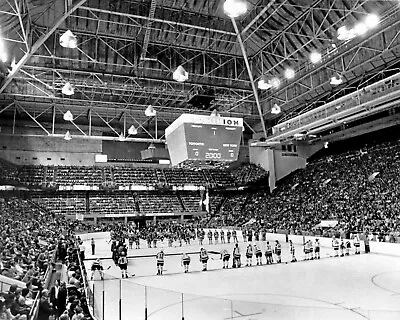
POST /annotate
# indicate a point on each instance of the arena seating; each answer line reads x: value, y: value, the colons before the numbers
x: 61, y: 203
x: 115, y: 203
x: 32, y: 175
x: 126, y: 176
x: 85, y: 176
x: 248, y: 173
x: 191, y: 201
x: 150, y: 203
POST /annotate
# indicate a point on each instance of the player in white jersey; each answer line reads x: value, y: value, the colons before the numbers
x: 186, y: 261
x: 258, y: 253
x: 225, y: 258
x: 160, y: 262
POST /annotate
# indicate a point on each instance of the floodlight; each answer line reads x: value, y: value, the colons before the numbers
x: 235, y: 8
x: 150, y: 112
x: 68, y: 90
x: 68, y: 136
x: 68, y: 40
x: 180, y: 74
x: 132, y: 130
x: 315, y: 57
x: 276, y: 109
x: 68, y: 116
x: 289, y: 73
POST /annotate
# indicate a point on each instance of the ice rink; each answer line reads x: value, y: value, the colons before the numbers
x: 365, y: 286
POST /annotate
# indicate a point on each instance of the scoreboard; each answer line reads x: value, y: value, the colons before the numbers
x: 197, y: 137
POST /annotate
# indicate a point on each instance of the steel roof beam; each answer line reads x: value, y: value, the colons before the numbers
x: 39, y: 43
x: 172, y: 23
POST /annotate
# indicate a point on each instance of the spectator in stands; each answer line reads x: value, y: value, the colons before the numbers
x: 45, y: 308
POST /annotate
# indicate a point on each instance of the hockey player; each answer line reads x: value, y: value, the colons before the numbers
x: 258, y: 253
x: 137, y: 241
x: 249, y: 255
x: 209, y: 236
x: 335, y: 246
x: 292, y: 251
x: 204, y: 258
x: 185, y: 261
x: 310, y: 250
x: 160, y: 262
x: 216, y: 234
x: 342, y: 247
x: 130, y: 240
x: 356, y: 243
x: 236, y: 257
x: 225, y: 258
x: 268, y: 253
x: 222, y: 235
x: 305, y: 249
x: 234, y: 235
x: 123, y: 264
x: 278, y: 251
x: 244, y: 234
x: 317, y: 249
x: 201, y: 236
x: 348, y: 246
x: 228, y: 236
x: 96, y: 266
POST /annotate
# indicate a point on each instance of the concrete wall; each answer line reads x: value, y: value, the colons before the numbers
x: 277, y: 162
x: 49, y: 150
x: 287, y: 162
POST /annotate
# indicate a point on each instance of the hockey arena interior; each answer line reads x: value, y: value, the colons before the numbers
x: 193, y: 160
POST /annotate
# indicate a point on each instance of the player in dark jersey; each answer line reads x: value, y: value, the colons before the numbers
x: 249, y: 255
x: 278, y: 251
x: 204, y: 258
x: 268, y: 253
x: 123, y: 264
x: 236, y: 257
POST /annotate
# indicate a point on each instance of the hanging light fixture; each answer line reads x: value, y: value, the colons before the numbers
x: 68, y: 90
x: 345, y: 34
x: 150, y: 112
x: 151, y: 146
x: 289, y: 73
x: 215, y: 113
x: 3, y: 53
x: 180, y: 74
x: 336, y: 80
x: 263, y: 83
x: 67, y: 136
x: 372, y: 20
x: 235, y: 8
x: 121, y: 137
x: 275, y: 82
x: 276, y: 109
x: 68, y: 40
x: 315, y: 57
x: 68, y: 116
x: 132, y: 130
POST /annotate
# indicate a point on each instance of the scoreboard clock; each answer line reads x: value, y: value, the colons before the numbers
x: 197, y: 137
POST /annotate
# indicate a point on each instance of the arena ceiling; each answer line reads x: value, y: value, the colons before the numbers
x: 128, y: 50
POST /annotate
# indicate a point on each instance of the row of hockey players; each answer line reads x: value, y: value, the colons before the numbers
x: 311, y: 250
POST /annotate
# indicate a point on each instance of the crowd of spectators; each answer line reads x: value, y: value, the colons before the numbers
x: 248, y: 173
x: 31, y: 242
x: 124, y: 176
x: 359, y: 189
